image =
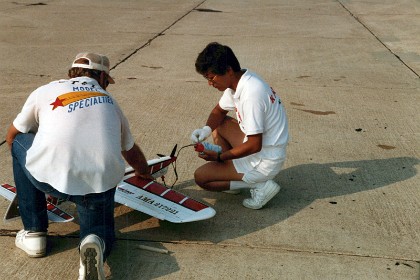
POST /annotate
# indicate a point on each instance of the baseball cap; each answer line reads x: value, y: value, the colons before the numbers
x: 96, y: 62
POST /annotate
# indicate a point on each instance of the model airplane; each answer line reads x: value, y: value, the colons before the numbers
x: 55, y: 214
x: 143, y: 195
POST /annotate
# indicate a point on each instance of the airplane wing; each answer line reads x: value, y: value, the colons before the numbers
x: 156, y: 200
x: 55, y: 214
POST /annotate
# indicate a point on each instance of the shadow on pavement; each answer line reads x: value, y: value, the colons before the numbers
x: 301, y: 186
x: 128, y: 262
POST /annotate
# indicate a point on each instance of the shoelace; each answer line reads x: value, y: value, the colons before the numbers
x: 252, y: 191
x: 20, y: 236
x: 256, y: 195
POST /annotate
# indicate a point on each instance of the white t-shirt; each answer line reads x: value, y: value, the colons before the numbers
x: 259, y: 110
x: 80, y: 133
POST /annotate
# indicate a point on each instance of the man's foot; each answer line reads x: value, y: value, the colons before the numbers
x: 33, y: 243
x: 91, y: 258
x: 261, y: 195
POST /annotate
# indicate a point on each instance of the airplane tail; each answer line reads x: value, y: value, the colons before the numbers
x: 158, y: 166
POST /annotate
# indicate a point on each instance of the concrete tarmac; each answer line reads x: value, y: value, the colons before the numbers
x: 348, y: 74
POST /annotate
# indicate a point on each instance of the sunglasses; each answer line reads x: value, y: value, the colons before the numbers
x: 210, y: 80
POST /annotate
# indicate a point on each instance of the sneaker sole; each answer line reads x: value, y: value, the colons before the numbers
x: 90, y: 259
x: 32, y: 254
x: 267, y: 199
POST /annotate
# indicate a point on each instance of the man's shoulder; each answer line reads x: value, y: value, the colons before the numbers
x: 256, y: 84
x: 51, y: 85
x: 47, y: 86
x: 253, y: 77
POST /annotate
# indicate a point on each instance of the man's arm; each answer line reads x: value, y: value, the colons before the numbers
x: 216, y: 117
x: 137, y: 160
x: 11, y: 134
x: 252, y: 146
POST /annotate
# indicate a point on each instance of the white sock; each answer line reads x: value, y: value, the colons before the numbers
x: 237, y: 185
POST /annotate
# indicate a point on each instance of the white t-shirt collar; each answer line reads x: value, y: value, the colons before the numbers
x: 245, y: 77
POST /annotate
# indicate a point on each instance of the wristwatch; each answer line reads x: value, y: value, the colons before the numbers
x: 218, y: 157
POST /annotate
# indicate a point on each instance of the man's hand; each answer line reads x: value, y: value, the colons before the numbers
x: 11, y: 134
x: 208, y: 155
x: 137, y: 160
x: 201, y: 134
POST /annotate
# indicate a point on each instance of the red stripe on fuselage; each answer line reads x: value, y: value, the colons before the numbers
x: 171, y: 195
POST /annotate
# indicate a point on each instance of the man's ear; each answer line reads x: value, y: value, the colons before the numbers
x: 103, y: 80
x: 102, y: 77
x: 230, y: 70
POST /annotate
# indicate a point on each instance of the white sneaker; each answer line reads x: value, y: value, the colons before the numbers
x: 91, y: 258
x: 33, y: 243
x: 261, y: 195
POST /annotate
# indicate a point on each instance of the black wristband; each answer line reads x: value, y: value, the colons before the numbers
x: 218, y: 157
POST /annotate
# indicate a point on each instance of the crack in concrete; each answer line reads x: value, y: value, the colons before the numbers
x: 12, y: 233
x: 161, y: 33
x: 291, y: 250
x: 378, y: 39
x: 276, y: 248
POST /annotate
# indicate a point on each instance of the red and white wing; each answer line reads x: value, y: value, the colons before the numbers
x: 55, y: 214
x: 156, y: 200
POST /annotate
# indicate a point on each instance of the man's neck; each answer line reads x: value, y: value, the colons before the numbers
x: 237, y: 76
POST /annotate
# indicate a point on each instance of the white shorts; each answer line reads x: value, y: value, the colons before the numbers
x: 257, y: 169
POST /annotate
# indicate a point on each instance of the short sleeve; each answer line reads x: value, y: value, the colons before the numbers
x: 27, y: 119
x: 226, y: 101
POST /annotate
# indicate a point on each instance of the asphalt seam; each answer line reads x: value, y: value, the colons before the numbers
x: 378, y: 39
x: 156, y: 36
x: 292, y: 250
x: 12, y: 233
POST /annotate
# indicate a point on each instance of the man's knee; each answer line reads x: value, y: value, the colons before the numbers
x: 198, y: 177
x: 228, y: 134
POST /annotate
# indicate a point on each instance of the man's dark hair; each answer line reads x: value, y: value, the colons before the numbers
x: 84, y: 72
x: 216, y: 58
